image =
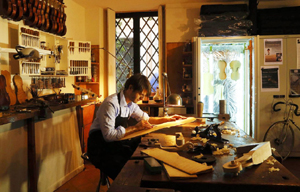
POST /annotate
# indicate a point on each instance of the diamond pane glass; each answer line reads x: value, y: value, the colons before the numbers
x: 149, y: 49
x: 124, y: 50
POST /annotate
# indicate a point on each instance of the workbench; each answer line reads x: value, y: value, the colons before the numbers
x: 253, y: 178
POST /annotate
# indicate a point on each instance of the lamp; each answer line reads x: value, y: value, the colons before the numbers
x: 129, y: 69
x: 172, y: 99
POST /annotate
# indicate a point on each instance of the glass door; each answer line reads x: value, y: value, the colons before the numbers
x: 225, y: 78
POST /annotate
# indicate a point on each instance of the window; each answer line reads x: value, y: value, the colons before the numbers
x: 137, y: 47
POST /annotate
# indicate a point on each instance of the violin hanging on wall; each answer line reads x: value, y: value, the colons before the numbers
x: 45, y: 15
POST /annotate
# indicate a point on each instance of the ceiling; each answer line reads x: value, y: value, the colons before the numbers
x: 141, y: 5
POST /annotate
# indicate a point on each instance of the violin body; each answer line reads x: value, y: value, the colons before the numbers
x: 4, y: 97
x: 18, y: 83
x: 235, y: 65
x: 11, y: 93
x: 222, y: 66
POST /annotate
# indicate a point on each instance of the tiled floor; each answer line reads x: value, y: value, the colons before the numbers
x: 87, y: 180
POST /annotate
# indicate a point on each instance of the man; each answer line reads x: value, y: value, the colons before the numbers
x: 118, y: 116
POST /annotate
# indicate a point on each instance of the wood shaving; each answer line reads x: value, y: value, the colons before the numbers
x: 272, y: 169
x: 198, y: 156
x: 269, y: 162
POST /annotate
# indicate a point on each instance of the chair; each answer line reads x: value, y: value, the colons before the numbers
x: 103, y: 177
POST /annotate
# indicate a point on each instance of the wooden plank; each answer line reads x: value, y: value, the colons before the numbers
x: 179, y: 162
x: 174, y: 173
x: 159, y: 126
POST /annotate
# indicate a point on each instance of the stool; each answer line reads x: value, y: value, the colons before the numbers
x: 103, y: 177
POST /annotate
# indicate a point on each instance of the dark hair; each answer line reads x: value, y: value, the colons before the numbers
x: 139, y: 82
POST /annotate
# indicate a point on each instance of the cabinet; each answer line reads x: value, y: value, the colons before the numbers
x: 59, y: 58
x: 187, y: 76
x: 91, y: 81
x: 180, y: 73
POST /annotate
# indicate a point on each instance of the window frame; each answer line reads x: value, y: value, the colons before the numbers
x: 136, y: 34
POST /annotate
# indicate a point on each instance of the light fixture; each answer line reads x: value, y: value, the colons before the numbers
x: 126, y: 65
x: 172, y: 100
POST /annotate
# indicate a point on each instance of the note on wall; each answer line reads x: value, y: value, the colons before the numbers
x: 298, y: 53
x: 270, y: 79
x: 273, y: 51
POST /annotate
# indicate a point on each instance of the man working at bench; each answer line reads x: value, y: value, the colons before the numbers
x: 118, y: 116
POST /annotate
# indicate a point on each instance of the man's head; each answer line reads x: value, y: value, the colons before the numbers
x: 136, y: 87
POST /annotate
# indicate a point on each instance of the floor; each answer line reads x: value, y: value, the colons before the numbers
x: 87, y: 180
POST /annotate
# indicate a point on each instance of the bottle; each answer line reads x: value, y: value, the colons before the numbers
x: 200, y: 106
x: 157, y: 97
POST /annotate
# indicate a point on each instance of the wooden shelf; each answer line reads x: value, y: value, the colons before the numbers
x: 87, y: 83
x: 94, y: 63
x: 187, y: 65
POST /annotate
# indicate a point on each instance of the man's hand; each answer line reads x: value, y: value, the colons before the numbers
x: 142, y: 125
x: 178, y: 117
x: 159, y: 120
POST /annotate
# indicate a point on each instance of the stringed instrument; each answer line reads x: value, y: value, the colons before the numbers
x: 5, y: 8
x: 63, y: 20
x: 4, y: 97
x: 52, y: 15
x: 25, y: 7
x: 20, y: 93
x: 47, y: 23
x: 14, y: 9
x: 32, y: 17
x: 222, y: 66
x: 39, y: 15
x: 58, y: 18
x: 19, y: 11
x: 235, y: 65
x: 9, y: 90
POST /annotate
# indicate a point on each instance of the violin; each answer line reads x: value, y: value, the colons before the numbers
x: 13, y: 7
x: 53, y: 13
x: 47, y: 23
x: 5, y: 8
x: 19, y: 11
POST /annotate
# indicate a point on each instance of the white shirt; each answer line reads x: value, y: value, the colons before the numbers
x: 108, y: 112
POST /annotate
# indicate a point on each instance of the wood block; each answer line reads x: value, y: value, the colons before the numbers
x: 152, y: 165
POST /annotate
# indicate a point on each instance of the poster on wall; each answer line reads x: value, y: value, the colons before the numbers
x: 273, y: 51
x: 295, y: 81
x: 270, y: 79
x: 298, y: 53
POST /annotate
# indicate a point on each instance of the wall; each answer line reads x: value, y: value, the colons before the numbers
x: 57, y: 144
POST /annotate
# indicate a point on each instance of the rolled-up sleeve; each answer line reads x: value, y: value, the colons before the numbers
x: 138, y: 114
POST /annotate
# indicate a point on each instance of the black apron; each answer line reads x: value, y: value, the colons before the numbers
x: 110, y: 157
